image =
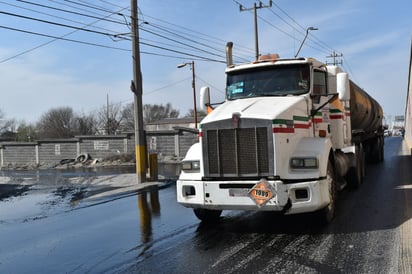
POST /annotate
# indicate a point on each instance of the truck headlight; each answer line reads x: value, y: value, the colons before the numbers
x: 304, y: 163
x: 190, y: 165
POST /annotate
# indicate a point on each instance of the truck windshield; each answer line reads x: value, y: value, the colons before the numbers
x: 279, y: 80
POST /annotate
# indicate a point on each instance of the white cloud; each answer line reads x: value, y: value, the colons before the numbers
x: 28, y: 91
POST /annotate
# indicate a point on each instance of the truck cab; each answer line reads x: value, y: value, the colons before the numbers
x: 281, y: 141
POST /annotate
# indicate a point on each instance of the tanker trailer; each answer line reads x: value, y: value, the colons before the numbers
x: 366, y: 122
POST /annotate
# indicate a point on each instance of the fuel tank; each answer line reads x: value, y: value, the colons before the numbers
x: 366, y: 113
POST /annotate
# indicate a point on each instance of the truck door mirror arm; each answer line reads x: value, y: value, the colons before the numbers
x: 314, y: 111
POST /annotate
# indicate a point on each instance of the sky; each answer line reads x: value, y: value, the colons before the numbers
x: 76, y: 53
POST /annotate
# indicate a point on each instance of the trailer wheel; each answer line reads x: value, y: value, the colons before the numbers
x: 376, y: 153
x: 356, y: 173
x: 381, y: 148
x: 327, y: 214
x: 207, y: 215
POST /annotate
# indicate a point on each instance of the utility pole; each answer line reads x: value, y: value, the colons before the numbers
x: 194, y: 92
x: 107, y: 115
x: 255, y: 7
x: 137, y: 89
x: 335, y: 62
x: 192, y: 65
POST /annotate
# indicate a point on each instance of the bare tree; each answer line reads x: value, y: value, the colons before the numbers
x: 128, y: 118
x: 109, y: 119
x: 152, y: 113
x: 200, y: 114
x: 11, y: 130
x: 3, y: 123
x: 57, y: 123
x: 26, y: 133
x: 8, y: 129
x: 84, y: 124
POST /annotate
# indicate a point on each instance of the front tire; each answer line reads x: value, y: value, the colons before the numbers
x: 327, y: 214
x: 356, y: 173
x: 207, y: 215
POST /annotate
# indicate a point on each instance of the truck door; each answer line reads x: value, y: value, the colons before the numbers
x: 319, y: 90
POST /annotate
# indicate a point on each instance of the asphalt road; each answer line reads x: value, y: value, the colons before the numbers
x: 50, y: 231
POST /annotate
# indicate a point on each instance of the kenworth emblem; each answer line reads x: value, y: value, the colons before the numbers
x: 235, y: 119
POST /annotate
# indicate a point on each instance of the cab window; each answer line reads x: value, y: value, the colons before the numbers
x: 319, y: 83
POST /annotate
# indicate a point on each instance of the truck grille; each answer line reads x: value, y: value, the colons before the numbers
x: 236, y: 152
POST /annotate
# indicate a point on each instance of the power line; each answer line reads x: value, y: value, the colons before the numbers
x: 184, y: 53
x: 89, y: 10
x: 59, y: 24
x: 166, y: 30
x: 346, y: 65
x: 291, y: 36
x: 210, y: 85
x: 110, y: 34
x: 174, y: 46
x: 51, y: 15
x: 185, y: 37
x: 313, y: 39
x: 178, y: 57
x: 167, y: 86
x: 87, y: 5
x: 319, y: 42
x: 71, y: 12
x: 60, y: 38
x: 290, y: 17
x: 57, y: 38
x: 193, y: 56
x: 178, y: 42
x: 200, y: 35
x: 198, y: 57
x: 285, y: 21
x: 181, y: 37
x: 110, y: 3
x: 185, y: 28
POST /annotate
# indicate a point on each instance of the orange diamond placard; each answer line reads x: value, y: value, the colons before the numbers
x: 261, y: 193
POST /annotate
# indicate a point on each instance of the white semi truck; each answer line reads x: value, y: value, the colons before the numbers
x: 290, y: 134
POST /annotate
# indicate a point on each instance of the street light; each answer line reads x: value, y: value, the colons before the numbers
x: 192, y: 65
x: 304, y: 39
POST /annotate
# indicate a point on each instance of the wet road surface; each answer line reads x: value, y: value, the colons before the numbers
x: 148, y: 232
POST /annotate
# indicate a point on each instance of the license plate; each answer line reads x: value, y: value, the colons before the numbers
x: 238, y: 192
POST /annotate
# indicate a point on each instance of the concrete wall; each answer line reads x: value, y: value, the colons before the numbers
x: 186, y: 141
x: 103, y: 145
x: 18, y: 153
x: 173, y: 143
x: 52, y: 151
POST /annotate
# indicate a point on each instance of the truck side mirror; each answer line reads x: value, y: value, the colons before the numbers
x: 204, y: 98
x: 342, y: 86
